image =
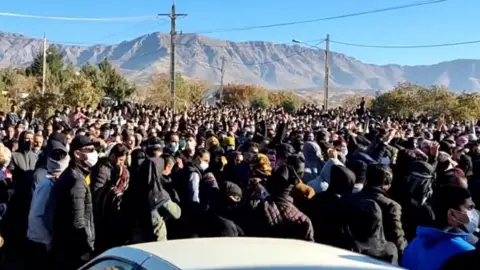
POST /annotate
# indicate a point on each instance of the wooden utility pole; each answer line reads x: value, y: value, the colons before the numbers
x: 44, y: 65
x: 327, y: 71
x: 222, y: 70
x: 173, y: 17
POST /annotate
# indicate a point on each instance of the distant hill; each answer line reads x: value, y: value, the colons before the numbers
x: 285, y: 66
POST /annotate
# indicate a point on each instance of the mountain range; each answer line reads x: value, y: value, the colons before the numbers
x: 275, y: 66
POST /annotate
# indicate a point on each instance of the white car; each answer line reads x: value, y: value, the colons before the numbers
x: 231, y: 253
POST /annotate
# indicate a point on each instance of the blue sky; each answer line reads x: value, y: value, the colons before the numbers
x: 450, y: 21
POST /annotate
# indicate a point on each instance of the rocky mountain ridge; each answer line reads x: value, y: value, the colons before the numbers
x: 276, y: 66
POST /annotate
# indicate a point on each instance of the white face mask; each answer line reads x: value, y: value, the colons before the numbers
x: 92, y: 159
x: 473, y: 218
x: 203, y: 165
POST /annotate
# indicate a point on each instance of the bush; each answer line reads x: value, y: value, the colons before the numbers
x: 187, y: 92
x: 290, y: 105
x: 242, y: 94
x: 261, y: 102
x: 411, y: 100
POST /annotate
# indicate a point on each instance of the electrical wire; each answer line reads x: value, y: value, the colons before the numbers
x: 406, y: 46
x: 280, y: 59
x: 415, y: 4
x: 83, y: 19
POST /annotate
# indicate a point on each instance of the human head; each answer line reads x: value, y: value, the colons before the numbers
x: 154, y: 147
x: 82, y: 152
x: 379, y: 176
x: 202, y: 158
x: 57, y: 159
x: 342, y: 180
x: 190, y: 144
x: 11, y: 132
x: 453, y: 208
x: 173, y: 142
x: 118, y: 154
x: 5, y: 156
x: 19, y: 128
x: 238, y: 157
x: 25, y: 141
x: 168, y: 165
x: 38, y: 142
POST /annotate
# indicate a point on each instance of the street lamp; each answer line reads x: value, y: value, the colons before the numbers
x: 327, y: 70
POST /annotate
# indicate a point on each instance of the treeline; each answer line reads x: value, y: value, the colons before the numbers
x: 408, y: 99
x: 68, y: 85
x: 64, y: 84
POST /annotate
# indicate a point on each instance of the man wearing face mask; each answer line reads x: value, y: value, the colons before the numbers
x: 22, y: 167
x: 74, y: 233
x: 455, y: 219
x: 40, y: 217
x: 342, y: 150
x: 189, y: 151
x: 195, y: 171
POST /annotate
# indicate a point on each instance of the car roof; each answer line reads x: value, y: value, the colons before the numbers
x: 258, y: 253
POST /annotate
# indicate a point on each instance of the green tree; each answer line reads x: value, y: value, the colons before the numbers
x: 260, y: 102
x: 78, y: 91
x: 94, y: 74
x: 290, y: 105
x: 44, y: 105
x: 186, y: 91
x: 402, y: 101
x: 115, y: 85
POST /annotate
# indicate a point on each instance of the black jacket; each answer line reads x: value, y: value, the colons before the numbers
x: 74, y: 232
x: 391, y: 214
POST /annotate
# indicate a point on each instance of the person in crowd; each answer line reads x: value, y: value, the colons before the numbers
x: 195, y: 171
x: 37, y: 143
x: 276, y: 216
x: 326, y: 209
x: 366, y: 228
x: 379, y: 181
x: 455, y: 219
x: 12, y: 117
x: 352, y: 179
x: 74, y: 231
x: 22, y: 167
x: 40, y: 218
x: 109, y: 181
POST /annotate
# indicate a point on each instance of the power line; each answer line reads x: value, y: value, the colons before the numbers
x: 406, y: 46
x: 416, y: 4
x: 90, y: 19
x: 280, y: 59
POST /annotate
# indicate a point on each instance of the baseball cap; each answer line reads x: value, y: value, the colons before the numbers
x: 80, y: 142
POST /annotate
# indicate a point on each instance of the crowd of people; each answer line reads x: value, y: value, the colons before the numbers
x: 401, y: 190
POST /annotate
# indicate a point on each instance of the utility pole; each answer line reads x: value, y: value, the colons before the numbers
x: 327, y: 71
x: 44, y: 66
x: 221, y: 77
x: 173, y: 17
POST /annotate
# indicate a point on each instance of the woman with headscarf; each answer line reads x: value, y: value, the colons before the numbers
x: 276, y: 216
x: 313, y: 160
x: 150, y: 204
x: 219, y: 220
x: 366, y: 230
x: 328, y: 209
x: 416, y: 191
